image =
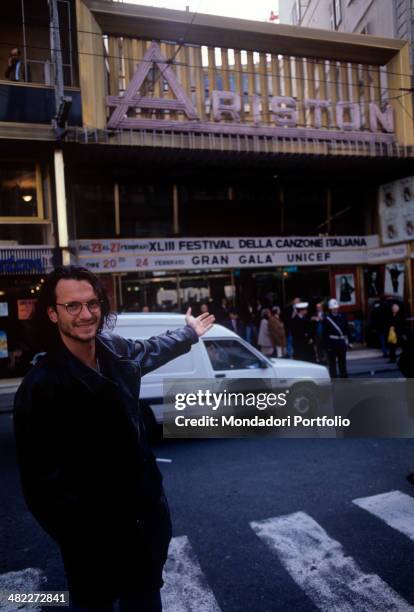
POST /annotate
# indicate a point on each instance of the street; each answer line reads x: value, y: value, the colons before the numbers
x: 227, y: 555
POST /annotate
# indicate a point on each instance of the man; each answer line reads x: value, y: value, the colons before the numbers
x: 289, y: 314
x: 318, y: 319
x: 336, y: 336
x: 303, y: 338
x: 15, y: 67
x: 88, y: 474
x: 236, y: 324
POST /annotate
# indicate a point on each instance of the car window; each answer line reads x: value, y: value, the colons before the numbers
x: 231, y: 355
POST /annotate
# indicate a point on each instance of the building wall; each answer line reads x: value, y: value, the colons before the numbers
x: 390, y: 18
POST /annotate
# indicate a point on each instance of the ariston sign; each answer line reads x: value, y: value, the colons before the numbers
x: 343, y: 119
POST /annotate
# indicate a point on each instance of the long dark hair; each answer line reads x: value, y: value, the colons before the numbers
x: 45, y: 334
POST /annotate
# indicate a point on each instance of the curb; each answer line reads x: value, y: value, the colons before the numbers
x: 372, y: 372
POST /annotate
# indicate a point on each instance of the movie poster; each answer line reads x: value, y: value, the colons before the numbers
x: 345, y: 289
x: 373, y: 282
x: 396, y: 209
x: 394, y: 279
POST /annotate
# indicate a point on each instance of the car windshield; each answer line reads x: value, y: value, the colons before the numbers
x: 231, y: 355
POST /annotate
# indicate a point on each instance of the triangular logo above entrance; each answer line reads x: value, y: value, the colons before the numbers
x: 132, y: 98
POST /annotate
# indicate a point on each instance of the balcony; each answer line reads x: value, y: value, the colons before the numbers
x: 35, y: 103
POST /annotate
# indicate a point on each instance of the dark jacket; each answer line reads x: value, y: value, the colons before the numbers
x: 10, y: 72
x: 240, y: 327
x: 406, y: 359
x: 88, y: 474
x: 303, y: 338
x: 332, y: 338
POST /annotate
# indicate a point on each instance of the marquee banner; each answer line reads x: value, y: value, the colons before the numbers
x: 127, y: 255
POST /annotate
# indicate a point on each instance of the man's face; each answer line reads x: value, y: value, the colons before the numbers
x: 82, y: 327
x: 15, y: 55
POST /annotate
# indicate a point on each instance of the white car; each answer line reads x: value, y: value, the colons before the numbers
x: 222, y: 354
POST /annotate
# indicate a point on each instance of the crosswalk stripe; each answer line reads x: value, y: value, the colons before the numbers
x: 394, y: 508
x: 185, y: 588
x: 319, y: 565
x: 29, y: 580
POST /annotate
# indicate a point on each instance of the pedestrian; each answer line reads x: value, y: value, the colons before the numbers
x: 289, y: 314
x: 264, y: 340
x: 252, y: 323
x: 303, y: 337
x: 236, y: 324
x: 277, y: 332
x: 336, y: 335
x: 378, y: 322
x: 222, y: 313
x: 88, y: 474
x: 318, y: 319
x: 394, y: 331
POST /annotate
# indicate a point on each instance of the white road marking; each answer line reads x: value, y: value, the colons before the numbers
x: 319, y: 565
x: 161, y: 460
x: 29, y: 580
x: 185, y: 588
x: 394, y: 508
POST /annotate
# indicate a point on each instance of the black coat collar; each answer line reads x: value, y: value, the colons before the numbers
x: 115, y: 370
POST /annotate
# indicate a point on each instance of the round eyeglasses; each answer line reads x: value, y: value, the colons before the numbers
x: 74, y: 308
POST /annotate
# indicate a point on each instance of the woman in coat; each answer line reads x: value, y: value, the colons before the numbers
x: 277, y: 332
x: 265, y: 340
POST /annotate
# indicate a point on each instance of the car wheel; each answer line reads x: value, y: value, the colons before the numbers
x: 302, y: 401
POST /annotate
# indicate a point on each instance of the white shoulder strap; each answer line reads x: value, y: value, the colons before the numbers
x: 335, y: 326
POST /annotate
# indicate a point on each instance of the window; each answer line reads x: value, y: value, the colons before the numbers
x: 337, y: 11
x: 20, y: 191
x: 231, y: 355
x: 26, y: 25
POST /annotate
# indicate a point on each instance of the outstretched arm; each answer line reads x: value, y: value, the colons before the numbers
x: 158, y: 350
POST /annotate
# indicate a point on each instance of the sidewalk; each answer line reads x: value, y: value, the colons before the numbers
x: 363, y: 353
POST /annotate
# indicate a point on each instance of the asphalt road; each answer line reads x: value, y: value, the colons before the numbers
x: 262, y: 525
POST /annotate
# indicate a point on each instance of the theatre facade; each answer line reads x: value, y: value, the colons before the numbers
x: 209, y: 157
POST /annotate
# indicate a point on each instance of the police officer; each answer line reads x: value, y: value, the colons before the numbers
x: 303, y: 337
x: 336, y: 336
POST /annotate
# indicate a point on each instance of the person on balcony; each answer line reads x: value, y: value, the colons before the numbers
x: 15, y: 70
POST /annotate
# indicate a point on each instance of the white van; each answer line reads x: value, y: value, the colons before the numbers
x: 221, y: 354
